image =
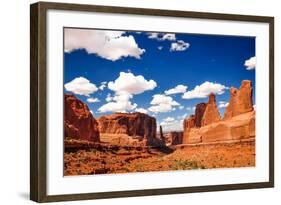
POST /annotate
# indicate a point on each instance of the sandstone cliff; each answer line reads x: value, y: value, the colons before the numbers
x: 240, y: 100
x: 199, y: 113
x: 79, y: 122
x: 137, y: 125
x: 175, y: 137
x: 211, y: 113
x: 238, y: 122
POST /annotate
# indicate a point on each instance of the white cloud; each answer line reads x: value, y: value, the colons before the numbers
x: 108, y: 98
x: 168, y: 120
x: 93, y: 100
x: 81, y: 86
x: 103, y: 85
x: 162, y: 36
x: 160, y: 47
x: 204, y: 90
x: 223, y: 104
x: 162, y: 103
x: 251, y: 63
x: 111, y: 45
x: 177, y: 89
x: 180, y: 45
x: 121, y: 103
x: 129, y: 83
x: 254, y: 106
x: 125, y: 86
x: 169, y: 36
x: 171, y: 124
x: 120, y: 106
x: 141, y: 110
x: 181, y: 107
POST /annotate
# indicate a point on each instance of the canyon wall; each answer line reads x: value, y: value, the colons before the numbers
x: 136, y: 125
x: 240, y: 100
x: 79, y: 122
x: 238, y: 122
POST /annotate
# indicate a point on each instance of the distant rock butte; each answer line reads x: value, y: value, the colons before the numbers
x: 240, y: 100
x: 137, y: 125
x: 79, y: 122
x: 238, y: 122
x: 175, y: 137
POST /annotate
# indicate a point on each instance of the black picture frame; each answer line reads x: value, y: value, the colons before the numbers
x: 38, y: 102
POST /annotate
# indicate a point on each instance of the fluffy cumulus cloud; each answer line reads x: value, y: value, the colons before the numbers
x: 141, y: 110
x: 129, y: 83
x: 177, y: 89
x: 111, y: 45
x: 108, y: 98
x: 171, y: 124
x: 251, y: 63
x: 162, y: 103
x: 125, y: 87
x: 120, y: 103
x: 81, y: 86
x: 102, y: 85
x: 223, y: 104
x: 180, y: 45
x: 204, y: 90
x: 93, y: 100
x: 162, y: 36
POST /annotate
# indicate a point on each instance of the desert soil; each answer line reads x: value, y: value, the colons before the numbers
x: 82, y: 158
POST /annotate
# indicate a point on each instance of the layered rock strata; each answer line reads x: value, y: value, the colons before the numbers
x: 79, y: 122
x: 238, y: 122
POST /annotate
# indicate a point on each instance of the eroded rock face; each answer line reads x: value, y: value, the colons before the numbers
x: 211, y: 113
x: 237, y: 128
x: 79, y: 122
x: 199, y: 112
x: 161, y: 133
x: 240, y: 100
x: 238, y: 123
x: 132, y: 124
x: 188, y: 124
x: 176, y: 137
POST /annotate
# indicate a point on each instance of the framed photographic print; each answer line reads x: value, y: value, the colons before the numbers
x: 134, y: 102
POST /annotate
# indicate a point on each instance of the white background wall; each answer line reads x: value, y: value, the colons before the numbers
x: 14, y: 101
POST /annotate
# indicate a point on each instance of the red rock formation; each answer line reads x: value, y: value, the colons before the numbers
x: 239, y: 127
x: 199, y: 112
x: 238, y: 123
x: 132, y: 124
x: 240, y: 100
x: 188, y: 125
x: 189, y: 122
x: 176, y: 137
x: 79, y: 123
x: 211, y: 113
x: 161, y: 133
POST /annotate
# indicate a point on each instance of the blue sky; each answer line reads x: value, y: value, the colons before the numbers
x: 162, y: 74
